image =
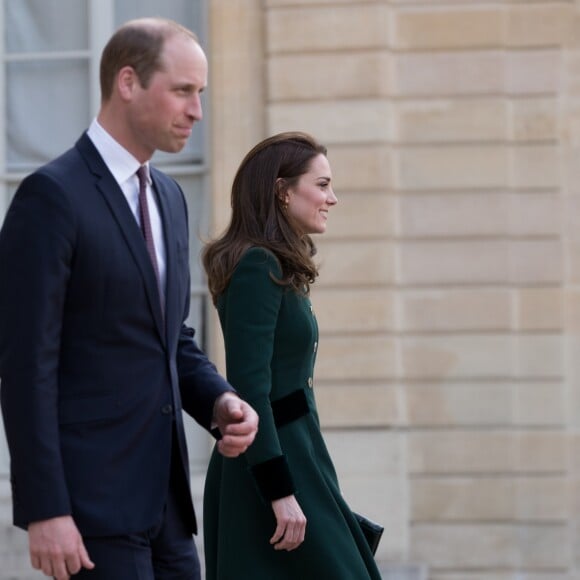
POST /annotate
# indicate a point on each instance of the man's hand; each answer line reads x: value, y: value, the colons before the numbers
x: 57, y: 548
x: 237, y: 422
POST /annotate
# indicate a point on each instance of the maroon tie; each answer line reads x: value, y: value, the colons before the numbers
x: 146, y: 223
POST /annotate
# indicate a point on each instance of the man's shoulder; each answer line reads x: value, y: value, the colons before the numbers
x: 65, y: 164
x: 162, y: 179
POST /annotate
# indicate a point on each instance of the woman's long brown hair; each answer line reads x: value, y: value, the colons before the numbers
x: 259, y: 217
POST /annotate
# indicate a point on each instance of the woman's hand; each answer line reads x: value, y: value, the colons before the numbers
x: 291, y: 524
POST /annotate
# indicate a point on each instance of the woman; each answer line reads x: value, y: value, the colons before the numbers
x: 277, y: 511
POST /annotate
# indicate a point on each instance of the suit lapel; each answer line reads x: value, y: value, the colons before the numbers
x: 171, y: 286
x: 108, y: 187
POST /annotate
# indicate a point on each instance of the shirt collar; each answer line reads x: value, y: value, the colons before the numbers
x: 118, y: 160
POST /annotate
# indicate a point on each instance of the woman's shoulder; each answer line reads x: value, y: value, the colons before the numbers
x: 260, y: 258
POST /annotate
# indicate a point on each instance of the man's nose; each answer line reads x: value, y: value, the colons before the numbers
x: 194, y: 108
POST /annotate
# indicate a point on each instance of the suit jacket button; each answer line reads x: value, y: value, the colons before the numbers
x: 310, y: 382
x: 167, y: 409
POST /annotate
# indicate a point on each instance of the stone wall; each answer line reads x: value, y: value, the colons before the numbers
x: 448, y: 300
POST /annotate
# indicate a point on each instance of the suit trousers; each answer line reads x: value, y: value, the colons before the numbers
x: 165, y: 552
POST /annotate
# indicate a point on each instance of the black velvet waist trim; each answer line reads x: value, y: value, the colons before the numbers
x: 290, y: 408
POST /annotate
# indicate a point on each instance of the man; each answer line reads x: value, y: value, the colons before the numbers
x: 95, y: 361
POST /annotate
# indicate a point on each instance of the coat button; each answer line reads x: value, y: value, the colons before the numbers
x: 167, y: 409
x: 315, y: 346
x: 310, y: 382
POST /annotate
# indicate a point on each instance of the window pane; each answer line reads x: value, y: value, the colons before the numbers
x: 47, y: 109
x: 186, y: 12
x: 198, y: 211
x: 189, y: 13
x: 35, y: 25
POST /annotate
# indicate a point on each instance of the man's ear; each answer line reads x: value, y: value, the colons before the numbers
x: 127, y: 81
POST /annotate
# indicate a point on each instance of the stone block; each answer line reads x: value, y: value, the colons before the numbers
x: 353, y: 310
x: 485, y: 72
x: 534, y: 119
x: 488, y: 499
x: 542, y: 499
x: 455, y: 309
x: 571, y: 72
x: 459, y: 404
x: 539, y: 308
x: 359, y: 405
x: 313, y: 76
x: 535, y: 214
x: 536, y: 261
x: 535, y: 167
x: 542, y: 452
x: 539, y: 355
x: 361, y: 167
x: 501, y: 575
x: 482, y: 404
x: 325, y: 28
x: 491, y: 546
x: 539, y: 25
x: 570, y: 217
x: 355, y: 358
x: 471, y: 452
x: 488, y: 452
x: 459, y: 262
x: 362, y: 215
x: 571, y: 306
x: 350, y: 452
x: 540, y: 404
x: 451, y: 167
x: 463, y: 499
x: 443, y: 357
x: 393, y: 571
x: 347, y: 263
x: 570, y: 169
x: 532, y: 72
x: 453, y: 28
x: 451, y: 120
x: 448, y: 215
x: 572, y: 262
x: 287, y: 3
x: 334, y: 122
x: 439, y: 73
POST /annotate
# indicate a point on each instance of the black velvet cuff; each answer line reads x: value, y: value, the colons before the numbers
x: 290, y: 408
x: 273, y: 478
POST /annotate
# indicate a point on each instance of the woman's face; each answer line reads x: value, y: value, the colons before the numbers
x: 310, y: 199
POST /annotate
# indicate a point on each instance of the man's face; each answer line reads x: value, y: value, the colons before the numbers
x: 162, y: 115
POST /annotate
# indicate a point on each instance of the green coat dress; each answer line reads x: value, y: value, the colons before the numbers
x: 271, y: 338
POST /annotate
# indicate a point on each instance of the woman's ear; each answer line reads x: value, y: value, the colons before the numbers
x: 282, y: 192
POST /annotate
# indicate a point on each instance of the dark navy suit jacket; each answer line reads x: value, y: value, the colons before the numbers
x: 93, y: 374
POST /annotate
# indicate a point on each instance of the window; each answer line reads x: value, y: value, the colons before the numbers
x: 49, y: 92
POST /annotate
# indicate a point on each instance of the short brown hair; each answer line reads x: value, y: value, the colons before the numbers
x: 138, y: 44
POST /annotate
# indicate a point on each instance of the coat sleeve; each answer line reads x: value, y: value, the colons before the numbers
x: 250, y: 306
x: 200, y: 384
x: 36, y: 251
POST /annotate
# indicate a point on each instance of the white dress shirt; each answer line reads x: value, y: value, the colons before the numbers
x: 124, y: 166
